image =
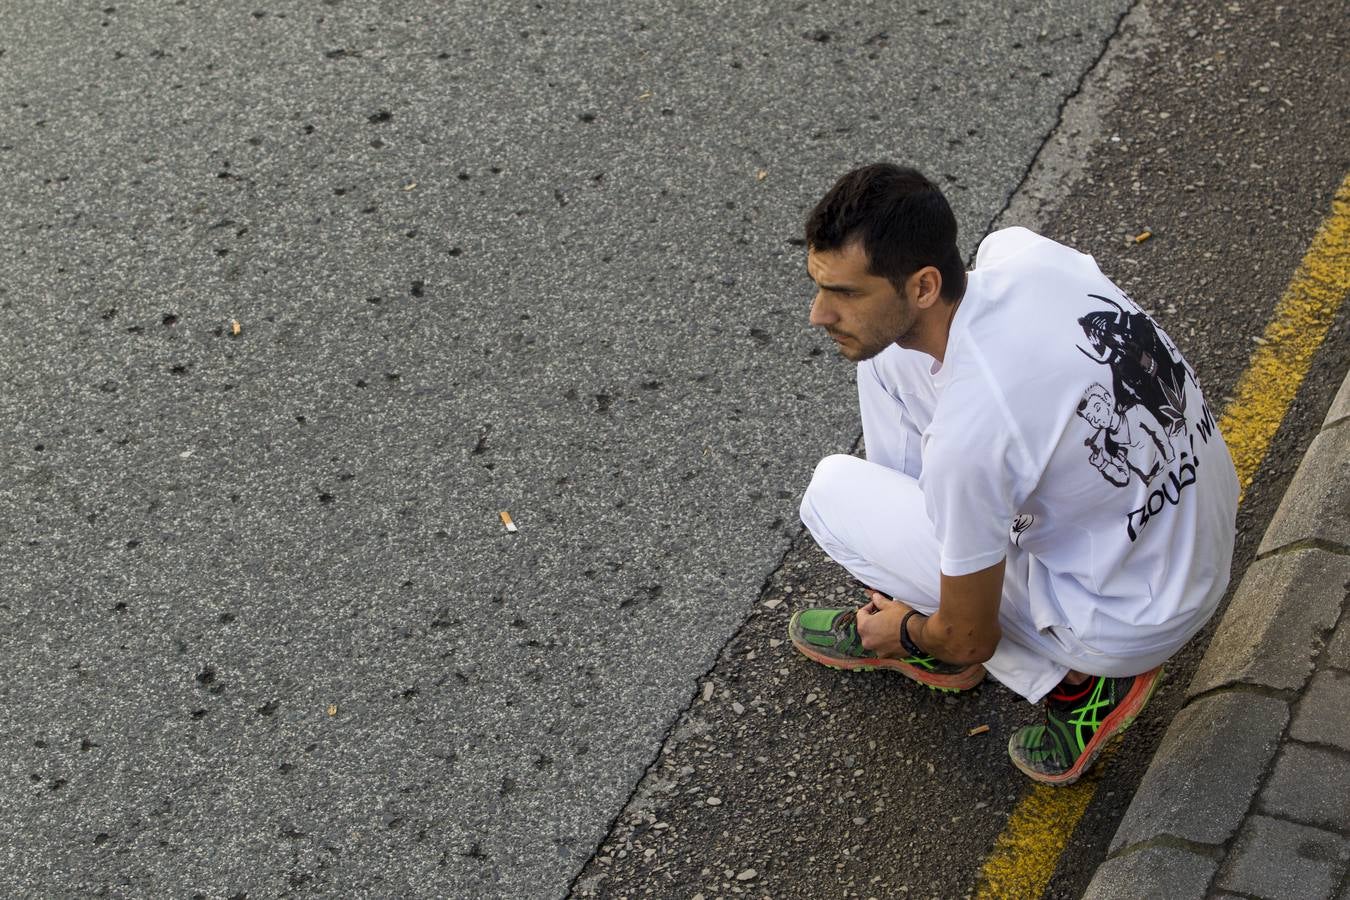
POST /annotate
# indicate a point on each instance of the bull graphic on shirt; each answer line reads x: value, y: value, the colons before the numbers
x: 1139, y: 423
x: 1145, y: 368
x: 1127, y: 439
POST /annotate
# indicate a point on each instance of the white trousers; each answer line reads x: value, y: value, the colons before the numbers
x: 869, y: 516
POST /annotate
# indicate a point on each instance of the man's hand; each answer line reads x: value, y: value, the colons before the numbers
x: 879, y: 625
x: 964, y: 629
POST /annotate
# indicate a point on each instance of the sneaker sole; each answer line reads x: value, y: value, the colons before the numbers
x: 960, y: 681
x: 1121, y: 718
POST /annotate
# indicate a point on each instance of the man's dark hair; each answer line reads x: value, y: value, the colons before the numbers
x: 902, y: 220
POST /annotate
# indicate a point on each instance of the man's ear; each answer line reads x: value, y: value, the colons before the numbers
x: 928, y: 286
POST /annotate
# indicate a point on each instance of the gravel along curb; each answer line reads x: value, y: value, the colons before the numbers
x: 1199, y: 789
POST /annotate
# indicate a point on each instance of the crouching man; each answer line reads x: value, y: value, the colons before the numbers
x: 1045, y: 497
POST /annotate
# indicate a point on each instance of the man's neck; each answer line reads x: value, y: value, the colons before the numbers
x: 933, y: 330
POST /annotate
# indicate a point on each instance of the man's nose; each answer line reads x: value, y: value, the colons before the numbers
x: 821, y: 313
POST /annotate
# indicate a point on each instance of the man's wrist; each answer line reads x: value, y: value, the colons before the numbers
x: 906, y: 641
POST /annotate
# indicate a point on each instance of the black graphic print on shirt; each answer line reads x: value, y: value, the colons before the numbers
x: 1144, y: 370
x: 1139, y: 424
x: 1021, y: 523
x: 1128, y: 439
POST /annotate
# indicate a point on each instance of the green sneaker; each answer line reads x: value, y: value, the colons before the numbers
x: 1079, y: 721
x: 830, y: 637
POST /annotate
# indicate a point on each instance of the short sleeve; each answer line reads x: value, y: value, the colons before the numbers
x: 974, y: 477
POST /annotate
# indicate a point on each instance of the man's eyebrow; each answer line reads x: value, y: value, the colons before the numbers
x: 837, y: 288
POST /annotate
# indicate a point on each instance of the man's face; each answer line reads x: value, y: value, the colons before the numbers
x: 862, y: 312
x: 1097, y: 412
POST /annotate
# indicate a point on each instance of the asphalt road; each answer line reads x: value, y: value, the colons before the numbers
x: 261, y: 629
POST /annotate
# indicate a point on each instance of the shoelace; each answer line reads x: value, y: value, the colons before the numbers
x: 845, y: 621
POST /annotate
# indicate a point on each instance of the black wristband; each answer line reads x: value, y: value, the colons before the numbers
x: 910, y: 647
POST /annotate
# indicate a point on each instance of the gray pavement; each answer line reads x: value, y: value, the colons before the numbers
x: 1249, y: 792
x: 261, y: 629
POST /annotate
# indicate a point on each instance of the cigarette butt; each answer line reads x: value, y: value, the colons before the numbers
x: 1143, y: 236
x: 506, y: 520
x: 410, y: 185
x: 761, y: 175
x: 234, y: 326
x: 332, y: 709
x: 978, y: 729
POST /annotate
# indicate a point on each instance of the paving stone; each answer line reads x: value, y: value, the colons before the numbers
x: 1272, y: 630
x: 1206, y: 771
x: 1323, y: 715
x: 1274, y: 858
x: 1152, y: 872
x: 1317, y: 504
x: 1338, y: 654
x: 1311, y: 785
x: 1340, y: 407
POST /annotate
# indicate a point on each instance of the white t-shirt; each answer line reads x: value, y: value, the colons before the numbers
x: 1064, y: 423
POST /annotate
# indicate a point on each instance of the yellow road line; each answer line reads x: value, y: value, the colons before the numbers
x: 1301, y: 321
x: 1026, y: 852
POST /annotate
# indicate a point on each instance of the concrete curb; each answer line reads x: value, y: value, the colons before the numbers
x: 1245, y: 785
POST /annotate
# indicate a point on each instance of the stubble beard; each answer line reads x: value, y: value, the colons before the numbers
x: 875, y: 342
